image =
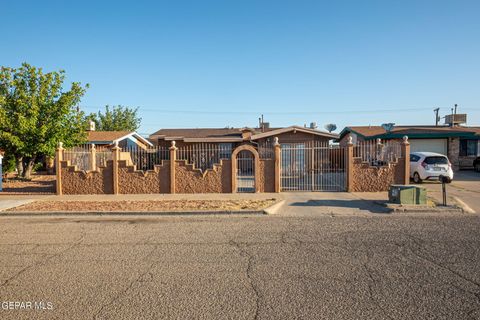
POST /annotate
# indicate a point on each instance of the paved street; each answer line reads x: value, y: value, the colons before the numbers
x: 465, y: 185
x: 242, y: 267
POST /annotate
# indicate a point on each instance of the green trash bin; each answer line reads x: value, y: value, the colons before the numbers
x: 407, y: 194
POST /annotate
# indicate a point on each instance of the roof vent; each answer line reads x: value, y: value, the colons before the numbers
x: 91, y: 126
x: 313, y: 125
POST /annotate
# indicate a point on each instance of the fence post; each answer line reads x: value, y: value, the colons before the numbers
x: 278, y: 154
x: 406, y: 159
x: 58, y: 168
x: 93, y: 158
x: 115, y: 158
x: 173, y: 161
x: 350, y: 164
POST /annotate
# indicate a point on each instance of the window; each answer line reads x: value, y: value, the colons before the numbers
x: 468, y: 147
x: 414, y: 158
x: 436, y: 160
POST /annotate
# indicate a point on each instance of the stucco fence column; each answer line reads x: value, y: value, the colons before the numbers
x: 58, y: 168
x: 173, y: 161
x: 93, y: 158
x: 116, y: 158
x: 278, y: 161
x: 234, y: 166
x: 406, y: 159
x: 349, y: 164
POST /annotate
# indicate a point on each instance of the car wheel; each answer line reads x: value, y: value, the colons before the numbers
x: 416, y: 178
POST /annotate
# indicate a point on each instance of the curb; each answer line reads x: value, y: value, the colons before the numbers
x: 465, y: 207
x: 396, y: 208
x: 273, y: 209
x: 127, y: 213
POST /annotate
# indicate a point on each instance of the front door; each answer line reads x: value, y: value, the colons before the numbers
x: 245, y: 171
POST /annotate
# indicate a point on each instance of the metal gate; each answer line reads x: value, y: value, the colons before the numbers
x: 315, y: 166
x: 245, y: 171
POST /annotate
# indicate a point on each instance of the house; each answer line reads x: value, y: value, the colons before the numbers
x: 125, y: 139
x: 460, y: 143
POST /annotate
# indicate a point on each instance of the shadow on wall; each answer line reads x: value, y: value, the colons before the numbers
x: 347, y: 204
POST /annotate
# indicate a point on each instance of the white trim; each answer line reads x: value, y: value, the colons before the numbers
x: 295, y: 128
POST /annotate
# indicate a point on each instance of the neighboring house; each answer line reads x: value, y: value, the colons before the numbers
x: 460, y: 143
x: 125, y: 139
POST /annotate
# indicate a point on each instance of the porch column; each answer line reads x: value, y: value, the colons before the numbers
x: 278, y: 154
x: 93, y: 158
x: 116, y: 158
x: 58, y: 168
x: 350, y: 164
x: 173, y: 161
x: 406, y: 158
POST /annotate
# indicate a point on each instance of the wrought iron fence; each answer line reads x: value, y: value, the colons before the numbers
x: 78, y: 156
x: 146, y: 159
x: 204, y: 155
x: 266, y: 149
x: 377, y: 153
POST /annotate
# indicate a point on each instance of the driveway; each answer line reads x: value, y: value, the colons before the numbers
x: 466, y: 186
x: 241, y: 267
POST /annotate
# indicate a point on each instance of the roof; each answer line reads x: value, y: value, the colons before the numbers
x: 228, y: 134
x: 373, y: 132
x: 109, y: 137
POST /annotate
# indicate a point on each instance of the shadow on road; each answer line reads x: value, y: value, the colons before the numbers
x: 365, y: 205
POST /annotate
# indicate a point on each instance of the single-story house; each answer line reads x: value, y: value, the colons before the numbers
x: 460, y: 143
x: 128, y: 139
x: 230, y: 138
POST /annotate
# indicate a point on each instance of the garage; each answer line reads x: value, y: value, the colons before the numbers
x: 429, y: 145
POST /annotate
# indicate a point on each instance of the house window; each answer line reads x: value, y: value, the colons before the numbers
x: 225, y: 150
x: 468, y: 148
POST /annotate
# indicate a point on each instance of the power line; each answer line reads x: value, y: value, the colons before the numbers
x: 354, y: 111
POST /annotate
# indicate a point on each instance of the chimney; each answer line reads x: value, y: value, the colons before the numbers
x: 91, y: 125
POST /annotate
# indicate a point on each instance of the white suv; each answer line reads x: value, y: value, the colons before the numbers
x: 429, y: 166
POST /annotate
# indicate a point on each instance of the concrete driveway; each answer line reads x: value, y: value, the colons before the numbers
x: 465, y: 185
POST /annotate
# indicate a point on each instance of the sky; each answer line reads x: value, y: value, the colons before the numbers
x: 226, y: 62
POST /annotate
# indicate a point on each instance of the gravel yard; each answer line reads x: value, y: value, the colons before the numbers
x: 144, y: 206
x: 39, y: 184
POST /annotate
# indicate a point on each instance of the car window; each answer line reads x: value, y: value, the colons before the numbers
x: 414, y: 158
x: 436, y: 160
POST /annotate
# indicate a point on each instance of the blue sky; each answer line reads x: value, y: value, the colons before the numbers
x: 219, y: 63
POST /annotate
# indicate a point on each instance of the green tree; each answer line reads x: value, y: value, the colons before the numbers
x: 118, y: 118
x: 36, y: 113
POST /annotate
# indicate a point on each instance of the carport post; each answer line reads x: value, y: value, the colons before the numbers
x: 350, y: 164
x: 406, y: 159
x: 58, y: 167
x: 173, y: 161
x: 278, y: 154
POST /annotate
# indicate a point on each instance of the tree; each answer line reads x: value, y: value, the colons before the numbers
x: 119, y: 118
x: 36, y: 113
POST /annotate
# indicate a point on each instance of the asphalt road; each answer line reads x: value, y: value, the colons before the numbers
x: 237, y: 267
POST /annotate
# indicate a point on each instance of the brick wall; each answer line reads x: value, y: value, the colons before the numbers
x: 367, y: 178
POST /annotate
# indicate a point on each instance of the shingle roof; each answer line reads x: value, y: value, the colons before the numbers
x: 376, y: 131
x: 106, y: 136
x: 203, y: 132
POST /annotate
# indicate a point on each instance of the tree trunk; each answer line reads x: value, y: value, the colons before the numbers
x: 27, y: 172
x: 19, y: 165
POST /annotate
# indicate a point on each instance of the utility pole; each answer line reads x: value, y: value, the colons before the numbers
x: 437, y: 117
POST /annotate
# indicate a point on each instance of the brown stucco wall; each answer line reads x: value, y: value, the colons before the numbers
x: 190, y: 180
x: 91, y: 182
x: 368, y: 178
x: 454, y: 153
x: 266, y: 175
x: 131, y: 181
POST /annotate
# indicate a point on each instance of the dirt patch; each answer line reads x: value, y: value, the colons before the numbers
x: 145, y: 206
x: 39, y: 184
